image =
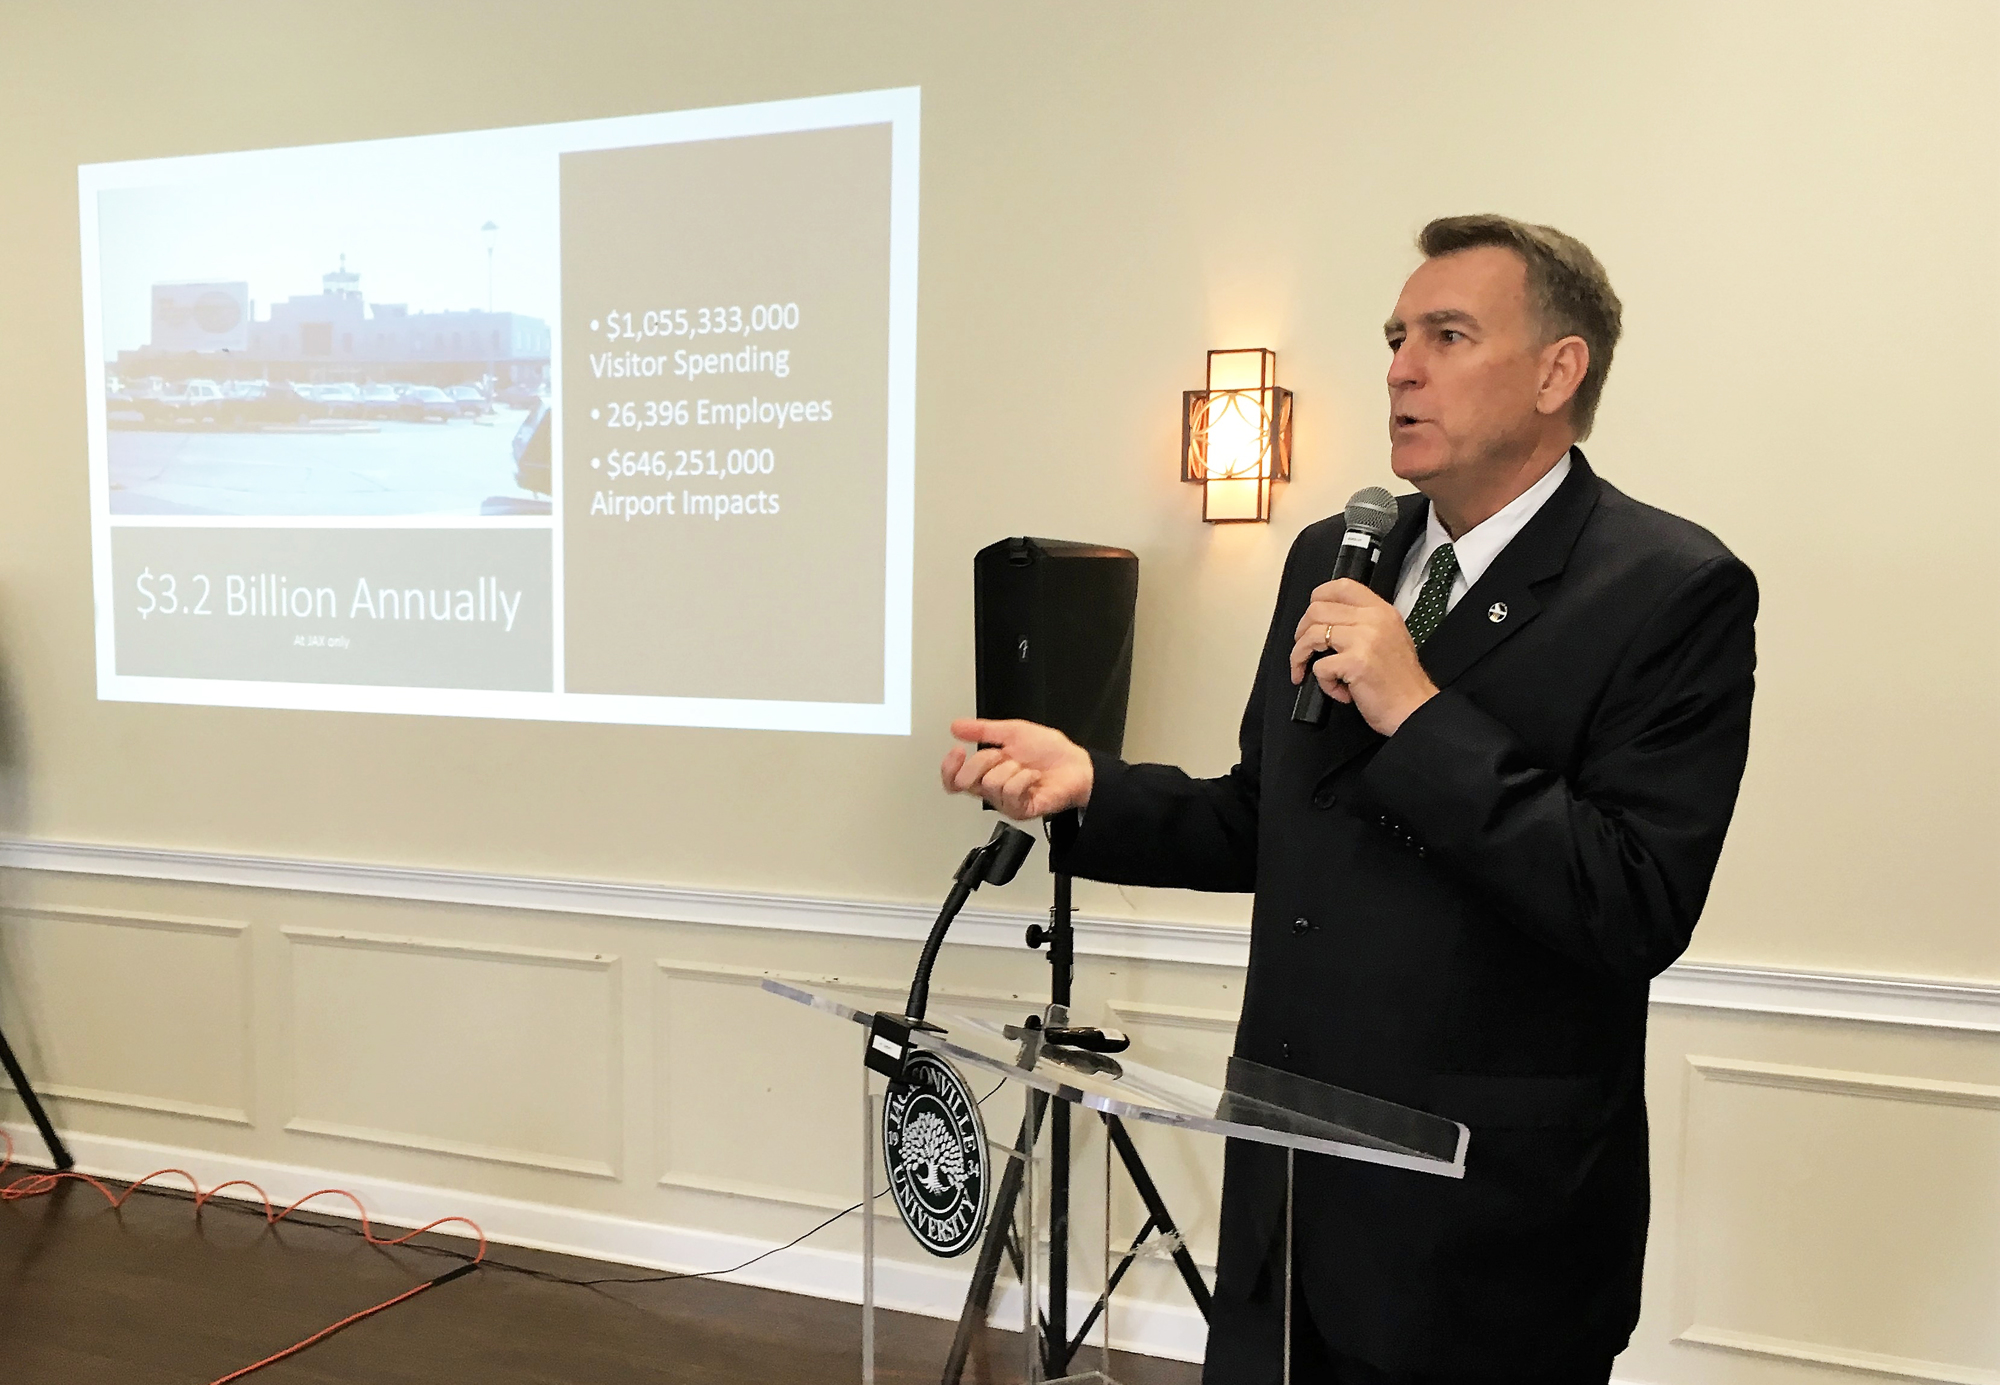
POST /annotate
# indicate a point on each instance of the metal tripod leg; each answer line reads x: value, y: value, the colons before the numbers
x: 1056, y: 1336
x: 999, y: 1225
x: 979, y: 1296
x: 1157, y: 1208
x: 57, y: 1150
x: 1057, y: 1348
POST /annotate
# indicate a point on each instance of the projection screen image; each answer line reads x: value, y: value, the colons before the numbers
x: 605, y: 421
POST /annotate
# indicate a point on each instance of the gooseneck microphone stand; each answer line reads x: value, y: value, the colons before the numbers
x: 994, y: 863
x: 57, y: 1150
x: 1058, y: 1345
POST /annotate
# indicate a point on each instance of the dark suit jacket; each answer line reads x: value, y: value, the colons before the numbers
x: 1465, y: 918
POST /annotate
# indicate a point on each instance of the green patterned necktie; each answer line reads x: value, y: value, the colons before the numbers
x: 1435, y: 598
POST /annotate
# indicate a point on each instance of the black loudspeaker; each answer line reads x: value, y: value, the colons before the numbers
x: 1053, y: 636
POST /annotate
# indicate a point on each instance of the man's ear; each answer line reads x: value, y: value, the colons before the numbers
x: 1564, y: 364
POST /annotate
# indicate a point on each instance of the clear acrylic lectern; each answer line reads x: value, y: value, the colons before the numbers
x: 1256, y: 1103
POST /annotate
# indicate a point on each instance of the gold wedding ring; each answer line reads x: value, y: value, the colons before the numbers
x: 1326, y: 641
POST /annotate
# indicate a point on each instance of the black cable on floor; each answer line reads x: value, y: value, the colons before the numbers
x: 326, y: 1222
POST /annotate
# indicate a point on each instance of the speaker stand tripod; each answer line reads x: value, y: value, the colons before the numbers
x: 57, y: 1150
x: 1059, y: 1346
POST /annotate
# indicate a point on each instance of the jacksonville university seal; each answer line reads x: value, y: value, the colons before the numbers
x: 934, y: 1149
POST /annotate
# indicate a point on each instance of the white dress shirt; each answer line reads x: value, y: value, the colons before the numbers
x: 1478, y: 546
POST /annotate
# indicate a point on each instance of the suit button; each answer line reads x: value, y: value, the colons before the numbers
x: 1325, y: 798
x: 1285, y: 1050
x: 1301, y: 925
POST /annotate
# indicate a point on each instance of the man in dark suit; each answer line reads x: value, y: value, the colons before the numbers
x: 1466, y: 881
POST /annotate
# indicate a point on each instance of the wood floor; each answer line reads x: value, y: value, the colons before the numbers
x: 153, y: 1296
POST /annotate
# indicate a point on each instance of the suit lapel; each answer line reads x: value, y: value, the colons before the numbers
x: 1504, y: 599
x: 1469, y: 633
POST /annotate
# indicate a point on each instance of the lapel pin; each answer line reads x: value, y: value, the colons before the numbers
x: 1497, y: 612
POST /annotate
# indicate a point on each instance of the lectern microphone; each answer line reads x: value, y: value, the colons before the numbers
x: 1371, y: 513
x: 995, y: 862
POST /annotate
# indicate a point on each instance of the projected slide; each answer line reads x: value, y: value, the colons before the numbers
x: 603, y: 421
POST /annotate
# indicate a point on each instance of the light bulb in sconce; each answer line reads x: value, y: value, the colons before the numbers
x: 1236, y: 435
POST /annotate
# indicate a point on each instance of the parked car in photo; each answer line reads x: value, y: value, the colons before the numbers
x: 197, y: 403
x: 237, y: 396
x: 532, y: 466
x: 470, y: 399
x: 128, y: 403
x: 342, y: 398
x: 520, y: 396
x: 252, y: 403
x: 423, y: 402
x: 379, y: 401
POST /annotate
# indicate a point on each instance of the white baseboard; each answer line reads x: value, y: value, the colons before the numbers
x: 1155, y: 1329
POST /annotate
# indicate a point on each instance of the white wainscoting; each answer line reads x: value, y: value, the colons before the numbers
x: 267, y: 1065
x: 1799, y: 1189
x: 161, y: 971
x: 343, y: 1072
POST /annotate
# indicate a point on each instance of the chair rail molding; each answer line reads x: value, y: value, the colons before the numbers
x: 1901, y: 1000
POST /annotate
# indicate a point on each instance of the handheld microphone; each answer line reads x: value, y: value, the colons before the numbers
x: 1086, y: 1037
x: 1371, y: 513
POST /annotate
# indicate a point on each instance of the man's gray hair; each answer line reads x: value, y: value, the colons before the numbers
x: 1567, y: 288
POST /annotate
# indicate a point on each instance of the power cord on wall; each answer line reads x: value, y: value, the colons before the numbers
x: 38, y: 1184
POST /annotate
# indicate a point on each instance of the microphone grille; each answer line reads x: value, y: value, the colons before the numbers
x: 1372, y: 510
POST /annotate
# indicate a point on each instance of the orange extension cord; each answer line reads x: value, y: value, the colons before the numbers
x: 34, y: 1185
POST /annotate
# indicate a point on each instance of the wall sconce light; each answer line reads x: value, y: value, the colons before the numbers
x: 1236, y: 436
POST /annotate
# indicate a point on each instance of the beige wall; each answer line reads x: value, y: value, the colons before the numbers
x: 1797, y: 203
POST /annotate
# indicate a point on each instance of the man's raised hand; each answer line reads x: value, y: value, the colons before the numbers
x: 1030, y: 771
